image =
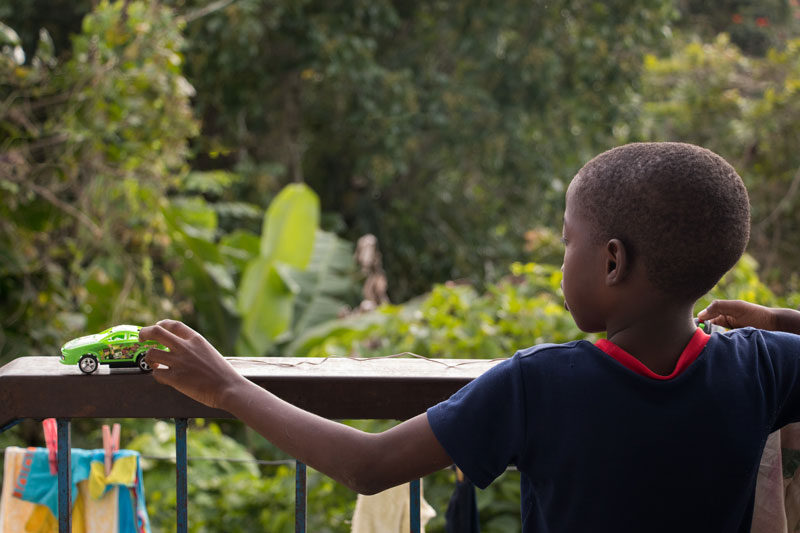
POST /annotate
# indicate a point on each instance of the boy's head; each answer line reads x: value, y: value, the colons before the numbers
x: 679, y: 209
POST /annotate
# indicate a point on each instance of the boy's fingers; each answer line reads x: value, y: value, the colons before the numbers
x: 178, y: 328
x: 159, y: 334
x: 717, y: 313
x: 719, y: 307
x: 163, y: 376
x: 156, y: 357
x: 704, y: 315
x: 720, y: 321
x: 711, y: 311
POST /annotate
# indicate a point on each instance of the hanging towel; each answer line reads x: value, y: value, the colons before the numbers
x: 19, y: 516
x: 388, y: 512
x: 100, y: 515
x: 14, y: 512
x: 125, y: 472
x: 123, y: 487
x: 462, y: 511
x: 88, y: 515
x: 43, y: 521
x: 37, y: 485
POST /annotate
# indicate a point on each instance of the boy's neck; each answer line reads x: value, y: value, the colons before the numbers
x: 656, y: 335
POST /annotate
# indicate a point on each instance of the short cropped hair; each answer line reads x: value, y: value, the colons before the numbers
x: 679, y: 208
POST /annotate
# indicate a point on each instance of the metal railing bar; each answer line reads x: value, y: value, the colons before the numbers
x: 300, y: 498
x: 415, y: 487
x: 181, y: 478
x: 64, y: 462
x: 10, y: 425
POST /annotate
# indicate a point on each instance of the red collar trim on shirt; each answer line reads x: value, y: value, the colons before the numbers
x: 688, y: 356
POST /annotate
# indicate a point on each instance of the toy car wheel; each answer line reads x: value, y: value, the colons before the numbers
x: 88, y: 363
x: 141, y: 362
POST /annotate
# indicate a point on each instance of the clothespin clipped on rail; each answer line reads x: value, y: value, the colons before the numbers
x: 110, y: 445
x: 51, y: 441
x: 459, y: 474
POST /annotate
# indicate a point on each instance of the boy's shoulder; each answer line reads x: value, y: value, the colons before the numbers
x: 550, y: 349
x: 757, y: 342
x: 555, y: 354
x: 753, y: 338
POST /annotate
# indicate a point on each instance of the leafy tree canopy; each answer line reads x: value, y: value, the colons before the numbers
x: 445, y: 129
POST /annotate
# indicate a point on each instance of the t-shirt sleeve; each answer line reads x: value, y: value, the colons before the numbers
x: 482, y: 426
x: 785, y: 348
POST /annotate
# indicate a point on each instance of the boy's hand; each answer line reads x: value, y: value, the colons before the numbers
x: 739, y: 314
x: 191, y: 365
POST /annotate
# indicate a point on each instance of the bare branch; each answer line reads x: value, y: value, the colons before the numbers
x: 66, y: 208
x: 207, y: 10
x: 783, y: 203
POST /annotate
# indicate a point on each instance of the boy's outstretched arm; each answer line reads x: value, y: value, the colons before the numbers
x: 740, y: 314
x: 364, y: 462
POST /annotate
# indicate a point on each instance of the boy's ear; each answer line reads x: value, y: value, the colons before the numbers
x: 616, y: 262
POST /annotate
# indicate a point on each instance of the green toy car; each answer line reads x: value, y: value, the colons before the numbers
x: 116, y: 347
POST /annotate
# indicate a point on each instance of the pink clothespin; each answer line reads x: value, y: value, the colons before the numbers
x: 110, y: 444
x: 51, y: 441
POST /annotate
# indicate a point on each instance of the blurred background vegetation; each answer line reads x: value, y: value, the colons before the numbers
x: 220, y: 162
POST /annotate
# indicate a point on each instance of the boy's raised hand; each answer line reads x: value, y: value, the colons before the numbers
x: 740, y: 314
x: 192, y: 365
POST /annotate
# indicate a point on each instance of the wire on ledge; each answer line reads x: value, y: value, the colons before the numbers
x: 364, y: 359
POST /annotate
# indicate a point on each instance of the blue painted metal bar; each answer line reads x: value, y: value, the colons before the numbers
x: 64, y: 476
x: 181, y: 463
x: 10, y: 425
x: 415, y: 487
x: 300, y: 497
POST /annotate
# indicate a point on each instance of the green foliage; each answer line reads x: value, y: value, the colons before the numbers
x: 249, y: 292
x: 60, y: 19
x: 101, y: 223
x: 754, y: 25
x: 454, y: 320
x: 445, y: 129
x: 325, y: 284
x: 198, y: 266
x: 296, y: 279
x: 88, y: 146
x: 742, y: 283
x: 522, y: 309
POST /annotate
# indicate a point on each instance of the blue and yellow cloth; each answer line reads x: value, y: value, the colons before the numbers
x: 37, y: 485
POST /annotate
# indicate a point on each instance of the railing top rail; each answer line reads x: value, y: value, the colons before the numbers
x: 392, y: 388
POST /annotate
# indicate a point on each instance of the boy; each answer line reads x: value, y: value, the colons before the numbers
x: 631, y: 434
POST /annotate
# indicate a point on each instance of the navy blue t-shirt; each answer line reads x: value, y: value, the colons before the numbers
x: 602, y: 448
